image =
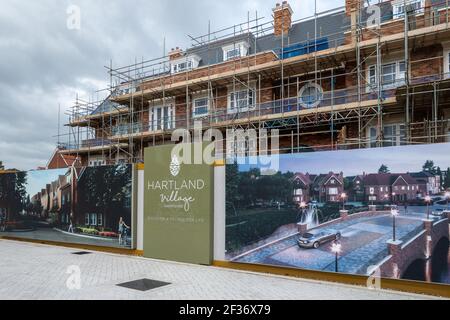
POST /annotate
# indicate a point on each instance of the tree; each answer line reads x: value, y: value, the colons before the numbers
x: 383, y: 169
x: 429, y: 167
x: 441, y: 177
x: 13, y: 192
x: 106, y: 190
x: 447, y: 179
x: 231, y: 188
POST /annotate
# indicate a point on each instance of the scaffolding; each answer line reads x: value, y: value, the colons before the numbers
x: 333, y: 90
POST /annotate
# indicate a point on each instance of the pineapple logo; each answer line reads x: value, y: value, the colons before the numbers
x: 175, y: 166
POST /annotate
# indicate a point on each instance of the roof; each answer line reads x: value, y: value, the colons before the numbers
x: 422, y: 174
x: 387, y: 179
x: 305, y: 178
x: 62, y: 160
x: 106, y: 106
x: 331, y: 27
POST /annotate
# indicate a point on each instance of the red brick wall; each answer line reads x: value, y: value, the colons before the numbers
x: 426, y: 61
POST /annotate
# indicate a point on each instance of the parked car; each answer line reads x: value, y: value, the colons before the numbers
x: 315, y: 240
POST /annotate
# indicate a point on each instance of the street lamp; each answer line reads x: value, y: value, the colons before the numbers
x: 393, y: 197
x: 343, y: 196
x: 428, y: 200
x: 336, y: 248
x: 394, y: 213
x: 303, y: 205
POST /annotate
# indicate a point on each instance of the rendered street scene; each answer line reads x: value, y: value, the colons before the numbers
x: 349, y: 220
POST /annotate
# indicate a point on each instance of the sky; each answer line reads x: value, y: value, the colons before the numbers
x: 354, y: 162
x: 44, y: 64
x: 37, y: 180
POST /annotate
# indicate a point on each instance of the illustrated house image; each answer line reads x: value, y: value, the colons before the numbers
x: 429, y: 183
x: 302, y: 188
x: 328, y: 187
x: 387, y: 187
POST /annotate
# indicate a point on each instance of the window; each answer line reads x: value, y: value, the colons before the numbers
x: 392, y: 75
x: 201, y: 107
x: 182, y: 66
x: 100, y: 219
x: 394, y: 135
x: 97, y: 163
x: 86, y: 219
x: 162, y: 118
x: 298, y: 192
x: 93, y: 220
x: 233, y: 53
x: 333, y: 191
x: 447, y: 61
x: 310, y: 95
x: 412, y: 6
x: 372, y: 190
x: 235, y: 50
x: 241, y: 100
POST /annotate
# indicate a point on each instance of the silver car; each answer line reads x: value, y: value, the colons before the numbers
x: 315, y: 240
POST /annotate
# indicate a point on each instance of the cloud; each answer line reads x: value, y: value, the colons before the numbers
x: 44, y: 64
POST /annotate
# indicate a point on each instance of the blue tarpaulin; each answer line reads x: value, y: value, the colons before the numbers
x: 303, y: 48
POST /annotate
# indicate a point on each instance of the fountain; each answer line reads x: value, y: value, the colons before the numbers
x: 310, y: 216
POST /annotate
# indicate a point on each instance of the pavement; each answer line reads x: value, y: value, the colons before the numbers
x: 50, y: 234
x: 38, y: 272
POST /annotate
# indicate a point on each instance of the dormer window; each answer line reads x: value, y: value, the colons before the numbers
x: 235, y: 50
x: 184, y: 64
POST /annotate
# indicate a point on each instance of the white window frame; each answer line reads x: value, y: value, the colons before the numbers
x: 156, y: 124
x: 100, y: 219
x: 87, y: 219
x: 184, y: 64
x: 194, y: 107
x: 318, y: 95
x: 399, y: 80
x: 333, y: 191
x: 241, y: 48
x: 97, y: 162
x: 398, y: 7
x: 93, y: 219
x: 446, y: 59
x: 396, y: 139
x: 233, y: 102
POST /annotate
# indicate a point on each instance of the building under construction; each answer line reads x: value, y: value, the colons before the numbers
x: 365, y: 75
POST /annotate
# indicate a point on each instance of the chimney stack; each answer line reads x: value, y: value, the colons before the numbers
x: 282, y: 15
x: 353, y: 6
x: 175, y: 53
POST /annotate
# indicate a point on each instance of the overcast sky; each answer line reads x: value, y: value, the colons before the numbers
x: 43, y: 63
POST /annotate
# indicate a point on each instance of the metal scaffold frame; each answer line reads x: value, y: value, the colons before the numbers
x: 353, y: 98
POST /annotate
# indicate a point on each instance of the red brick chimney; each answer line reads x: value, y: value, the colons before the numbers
x: 175, y: 53
x: 353, y: 5
x: 282, y: 18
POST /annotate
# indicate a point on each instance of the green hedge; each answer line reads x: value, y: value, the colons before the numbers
x: 254, y: 225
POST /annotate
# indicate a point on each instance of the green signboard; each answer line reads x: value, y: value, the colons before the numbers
x: 178, y: 208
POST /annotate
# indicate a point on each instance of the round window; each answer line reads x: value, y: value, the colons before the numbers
x: 310, y: 95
